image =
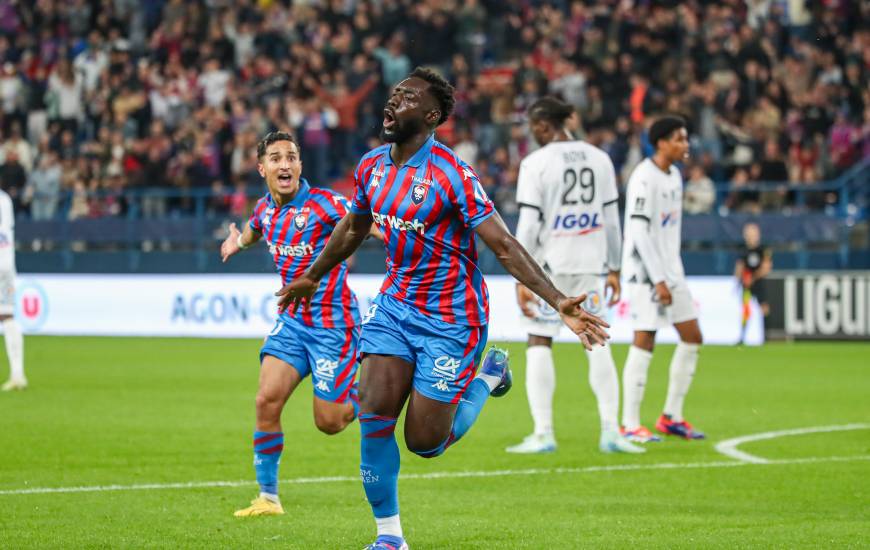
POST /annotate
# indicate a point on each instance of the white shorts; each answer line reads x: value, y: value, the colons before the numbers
x: 547, y: 322
x: 647, y: 314
x: 7, y: 292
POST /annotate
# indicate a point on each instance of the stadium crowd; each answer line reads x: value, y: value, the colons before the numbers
x: 99, y: 97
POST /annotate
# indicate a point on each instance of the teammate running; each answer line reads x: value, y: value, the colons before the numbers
x: 657, y: 290
x: 297, y: 220
x: 423, y: 337
x: 569, y: 221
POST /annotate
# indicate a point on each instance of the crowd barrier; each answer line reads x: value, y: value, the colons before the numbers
x: 225, y: 306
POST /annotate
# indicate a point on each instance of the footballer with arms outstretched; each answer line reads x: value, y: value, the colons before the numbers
x: 423, y: 338
x: 657, y: 290
x: 296, y: 220
x: 569, y: 221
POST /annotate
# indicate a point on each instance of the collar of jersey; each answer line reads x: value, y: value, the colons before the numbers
x: 301, y: 195
x: 417, y: 158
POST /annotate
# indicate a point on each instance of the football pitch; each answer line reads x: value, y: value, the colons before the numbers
x: 146, y: 443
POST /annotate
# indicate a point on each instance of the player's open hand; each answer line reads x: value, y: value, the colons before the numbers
x: 297, y: 292
x: 231, y: 244
x: 590, y: 328
x: 612, y: 287
x: 526, y: 300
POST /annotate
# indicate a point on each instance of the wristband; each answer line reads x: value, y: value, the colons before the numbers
x: 242, y: 246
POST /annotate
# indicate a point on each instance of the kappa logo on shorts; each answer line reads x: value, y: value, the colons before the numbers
x: 325, y: 369
x: 322, y: 385
x: 445, y: 370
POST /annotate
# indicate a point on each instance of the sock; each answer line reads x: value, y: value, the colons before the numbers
x: 267, y: 457
x: 391, y: 527
x: 379, y: 464
x: 14, y: 348
x: 466, y: 414
x: 682, y: 370
x: 633, y: 384
x: 605, y: 385
x: 491, y: 381
x: 540, y: 385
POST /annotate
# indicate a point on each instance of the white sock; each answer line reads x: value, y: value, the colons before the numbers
x: 491, y: 381
x: 605, y: 385
x: 540, y: 385
x: 270, y: 496
x: 633, y: 385
x: 390, y: 526
x: 14, y: 348
x: 682, y: 370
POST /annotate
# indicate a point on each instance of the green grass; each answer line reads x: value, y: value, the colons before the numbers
x: 138, y: 411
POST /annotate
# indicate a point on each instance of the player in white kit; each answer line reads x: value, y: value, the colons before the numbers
x: 656, y: 286
x: 569, y: 220
x: 11, y: 330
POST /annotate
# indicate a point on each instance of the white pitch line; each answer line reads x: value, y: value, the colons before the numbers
x: 729, y: 446
x: 435, y: 475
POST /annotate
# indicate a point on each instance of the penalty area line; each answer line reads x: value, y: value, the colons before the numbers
x: 437, y: 475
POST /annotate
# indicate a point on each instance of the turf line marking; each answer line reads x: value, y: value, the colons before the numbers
x: 729, y: 446
x: 436, y: 475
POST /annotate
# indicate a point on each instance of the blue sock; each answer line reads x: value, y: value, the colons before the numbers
x: 466, y: 414
x: 267, y: 456
x: 379, y: 463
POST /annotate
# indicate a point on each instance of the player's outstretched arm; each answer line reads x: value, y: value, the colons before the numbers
x: 348, y: 234
x: 237, y: 241
x: 526, y: 270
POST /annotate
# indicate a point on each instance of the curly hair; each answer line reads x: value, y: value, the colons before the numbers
x: 274, y: 137
x: 440, y: 89
x: 664, y: 127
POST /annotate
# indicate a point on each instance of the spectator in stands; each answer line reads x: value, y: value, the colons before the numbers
x: 65, y: 91
x: 12, y: 95
x: 699, y: 194
x: 212, y: 71
x: 13, y: 177
x: 43, y: 187
x: 741, y: 197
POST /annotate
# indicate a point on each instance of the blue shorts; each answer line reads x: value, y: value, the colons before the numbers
x: 445, y: 356
x: 328, y: 354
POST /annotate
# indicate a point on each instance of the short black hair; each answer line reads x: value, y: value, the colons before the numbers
x: 551, y: 109
x: 273, y: 137
x: 440, y: 89
x: 663, y: 127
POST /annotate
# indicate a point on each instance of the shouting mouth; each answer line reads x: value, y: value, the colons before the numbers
x: 389, y: 119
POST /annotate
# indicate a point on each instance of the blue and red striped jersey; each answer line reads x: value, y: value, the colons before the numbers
x: 296, y: 234
x: 427, y: 210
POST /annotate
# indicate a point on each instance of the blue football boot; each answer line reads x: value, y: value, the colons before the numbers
x: 496, y: 363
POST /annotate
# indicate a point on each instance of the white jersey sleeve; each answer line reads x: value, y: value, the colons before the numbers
x: 7, y: 233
